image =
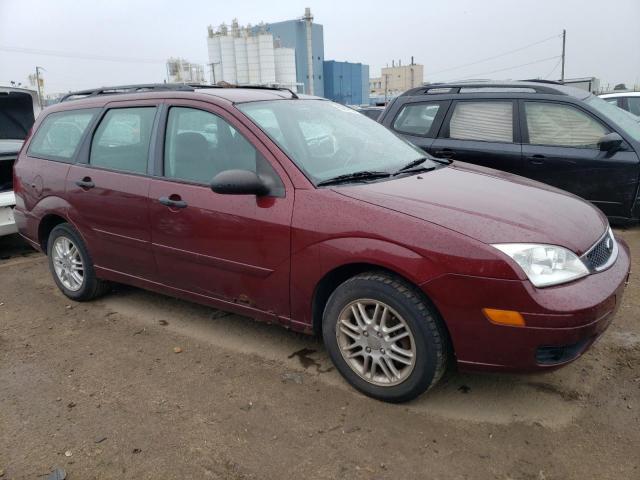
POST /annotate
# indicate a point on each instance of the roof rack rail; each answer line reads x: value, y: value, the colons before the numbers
x: 120, y: 89
x: 542, y: 87
x: 159, y: 87
x: 542, y: 80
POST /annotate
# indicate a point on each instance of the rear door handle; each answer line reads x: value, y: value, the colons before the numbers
x: 537, y: 159
x: 85, y: 183
x: 444, y: 153
x: 172, y: 203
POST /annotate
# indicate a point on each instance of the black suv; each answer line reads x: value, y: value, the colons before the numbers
x: 558, y: 135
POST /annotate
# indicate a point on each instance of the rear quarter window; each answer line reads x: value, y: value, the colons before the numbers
x: 416, y: 119
x: 60, y: 133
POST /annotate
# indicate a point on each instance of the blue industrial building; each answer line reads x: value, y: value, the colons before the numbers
x: 293, y: 34
x: 346, y: 82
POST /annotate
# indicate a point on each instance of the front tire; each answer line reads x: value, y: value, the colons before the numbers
x: 71, y: 265
x: 384, y: 337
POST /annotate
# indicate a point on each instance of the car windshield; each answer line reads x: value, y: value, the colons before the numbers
x: 327, y: 140
x: 625, y: 120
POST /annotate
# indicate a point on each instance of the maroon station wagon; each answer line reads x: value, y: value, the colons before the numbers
x: 296, y: 210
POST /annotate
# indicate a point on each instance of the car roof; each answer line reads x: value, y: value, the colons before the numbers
x: 494, y: 86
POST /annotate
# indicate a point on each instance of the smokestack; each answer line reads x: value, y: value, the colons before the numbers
x: 412, y: 60
x: 308, y: 20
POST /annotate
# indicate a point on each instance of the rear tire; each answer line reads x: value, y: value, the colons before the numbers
x: 72, y: 266
x: 385, y: 337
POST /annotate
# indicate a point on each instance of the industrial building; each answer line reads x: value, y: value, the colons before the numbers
x: 346, y: 83
x: 396, y: 79
x: 288, y: 54
x: 248, y: 56
x: 180, y: 70
x: 307, y: 39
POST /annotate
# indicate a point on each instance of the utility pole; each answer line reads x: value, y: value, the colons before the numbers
x: 386, y: 75
x: 213, y: 72
x: 38, y: 85
x: 564, y: 41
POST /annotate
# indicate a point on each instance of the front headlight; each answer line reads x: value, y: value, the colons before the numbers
x: 545, y: 265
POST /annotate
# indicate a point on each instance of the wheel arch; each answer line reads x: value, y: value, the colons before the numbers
x: 46, y: 225
x: 338, y: 275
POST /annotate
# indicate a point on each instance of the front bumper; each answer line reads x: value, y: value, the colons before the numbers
x: 7, y: 221
x: 562, y: 322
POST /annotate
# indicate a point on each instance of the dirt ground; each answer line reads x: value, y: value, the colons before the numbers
x: 96, y: 389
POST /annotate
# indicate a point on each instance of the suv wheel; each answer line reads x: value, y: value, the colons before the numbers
x: 71, y: 265
x: 384, y: 337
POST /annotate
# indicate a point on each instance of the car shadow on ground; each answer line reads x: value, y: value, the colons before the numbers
x: 551, y: 399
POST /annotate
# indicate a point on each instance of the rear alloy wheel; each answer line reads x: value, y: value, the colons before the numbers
x: 67, y: 263
x: 71, y: 265
x: 385, y: 337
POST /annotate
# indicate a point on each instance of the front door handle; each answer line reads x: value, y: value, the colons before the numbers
x: 444, y: 153
x: 173, y: 202
x: 86, y: 183
x: 537, y: 159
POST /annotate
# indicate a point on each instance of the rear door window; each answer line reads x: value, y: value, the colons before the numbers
x: 417, y: 118
x: 59, y: 135
x: 561, y: 125
x: 121, y: 141
x: 489, y: 121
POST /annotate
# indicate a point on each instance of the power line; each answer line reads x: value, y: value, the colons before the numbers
x: 83, y: 56
x: 554, y: 68
x: 498, y: 56
x: 515, y: 66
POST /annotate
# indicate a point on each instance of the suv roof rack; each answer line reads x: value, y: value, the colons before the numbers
x: 538, y: 86
x: 159, y: 87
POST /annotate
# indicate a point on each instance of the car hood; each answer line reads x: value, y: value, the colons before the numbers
x: 489, y: 205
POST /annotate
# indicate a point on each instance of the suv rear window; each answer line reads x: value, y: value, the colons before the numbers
x: 60, y: 133
x: 484, y: 121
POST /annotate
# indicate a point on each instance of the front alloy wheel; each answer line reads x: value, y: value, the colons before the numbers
x: 376, y: 342
x: 385, y: 337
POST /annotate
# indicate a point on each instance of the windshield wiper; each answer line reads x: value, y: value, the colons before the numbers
x: 413, y: 163
x: 355, y: 176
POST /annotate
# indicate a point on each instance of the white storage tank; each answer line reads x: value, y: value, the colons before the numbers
x: 267, y: 59
x: 285, y: 62
x: 253, y: 60
x: 228, y: 59
x: 242, y: 66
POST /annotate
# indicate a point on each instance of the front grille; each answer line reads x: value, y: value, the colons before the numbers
x: 602, y: 254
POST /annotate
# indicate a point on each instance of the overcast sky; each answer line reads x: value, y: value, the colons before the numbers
x: 603, y: 38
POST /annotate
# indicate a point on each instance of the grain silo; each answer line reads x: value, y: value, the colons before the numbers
x: 242, y: 66
x: 228, y: 59
x: 267, y: 59
x: 253, y: 60
x: 285, y: 63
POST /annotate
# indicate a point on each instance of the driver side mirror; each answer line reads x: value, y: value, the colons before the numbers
x: 239, y: 182
x: 611, y: 142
